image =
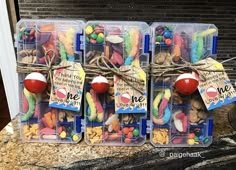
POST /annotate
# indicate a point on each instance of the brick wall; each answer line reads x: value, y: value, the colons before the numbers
x: 221, y: 13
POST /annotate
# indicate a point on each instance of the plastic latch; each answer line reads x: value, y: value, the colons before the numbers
x: 78, y: 124
x: 210, y: 127
x: 214, y: 44
x: 78, y: 42
x: 82, y: 125
x: 146, y: 43
x: 144, y: 127
x: 148, y: 126
x: 15, y: 44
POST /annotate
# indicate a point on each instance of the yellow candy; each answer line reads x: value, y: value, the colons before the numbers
x: 88, y: 29
x: 191, y: 141
x: 135, y: 63
x: 167, y: 94
x: 63, y: 134
x: 75, y: 138
x: 101, y: 35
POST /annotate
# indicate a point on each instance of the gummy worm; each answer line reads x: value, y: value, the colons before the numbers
x: 156, y: 102
x: 62, y: 52
x: 31, y: 101
x: 197, y: 48
x: 92, y: 107
x: 134, y: 37
x: 99, y: 108
x: 164, y: 102
x: 164, y: 119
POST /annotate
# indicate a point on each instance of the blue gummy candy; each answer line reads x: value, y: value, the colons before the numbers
x: 201, y: 138
x: 128, y: 60
x: 167, y: 34
x: 71, y: 58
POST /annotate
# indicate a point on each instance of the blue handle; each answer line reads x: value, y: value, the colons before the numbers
x: 78, y: 42
x: 214, y: 44
x: 210, y: 127
x: 144, y: 127
x: 146, y: 43
x: 78, y: 124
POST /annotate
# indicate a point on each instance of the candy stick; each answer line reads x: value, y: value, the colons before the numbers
x: 136, y: 61
x: 99, y: 108
x: 178, y: 44
x: 200, y: 47
x: 164, y: 119
x: 194, y: 57
x: 92, y: 106
x: 127, y: 42
x: 31, y: 100
x: 164, y: 102
x: 197, y: 47
x: 156, y: 102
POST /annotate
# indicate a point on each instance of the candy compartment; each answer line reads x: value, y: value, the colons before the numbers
x: 48, y: 123
x: 69, y: 126
x: 41, y: 40
x: 191, y: 42
x: 120, y: 42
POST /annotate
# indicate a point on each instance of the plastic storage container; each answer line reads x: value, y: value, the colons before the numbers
x: 179, y: 120
x: 114, y: 40
x: 39, y: 41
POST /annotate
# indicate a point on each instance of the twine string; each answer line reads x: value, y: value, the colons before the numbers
x: 127, y: 78
x: 160, y: 71
x: 42, y: 68
x: 49, y: 62
x: 104, y: 66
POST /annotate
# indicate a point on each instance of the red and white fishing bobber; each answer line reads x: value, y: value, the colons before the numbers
x: 35, y: 82
x: 125, y: 98
x: 186, y: 83
x: 100, y: 84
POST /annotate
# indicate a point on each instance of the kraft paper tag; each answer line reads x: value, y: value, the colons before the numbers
x: 68, y: 86
x: 217, y: 90
x: 127, y: 99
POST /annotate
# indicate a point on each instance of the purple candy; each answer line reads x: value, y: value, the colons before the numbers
x: 118, y: 49
x: 43, y: 38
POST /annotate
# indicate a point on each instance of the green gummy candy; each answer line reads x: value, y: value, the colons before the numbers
x: 94, y: 36
x: 136, y: 132
x: 155, y: 112
x: 159, y: 38
x: 30, y: 112
x: 87, y: 39
x: 100, y: 39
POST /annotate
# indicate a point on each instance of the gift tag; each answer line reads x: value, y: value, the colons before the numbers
x: 127, y: 99
x: 217, y: 90
x: 68, y: 86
